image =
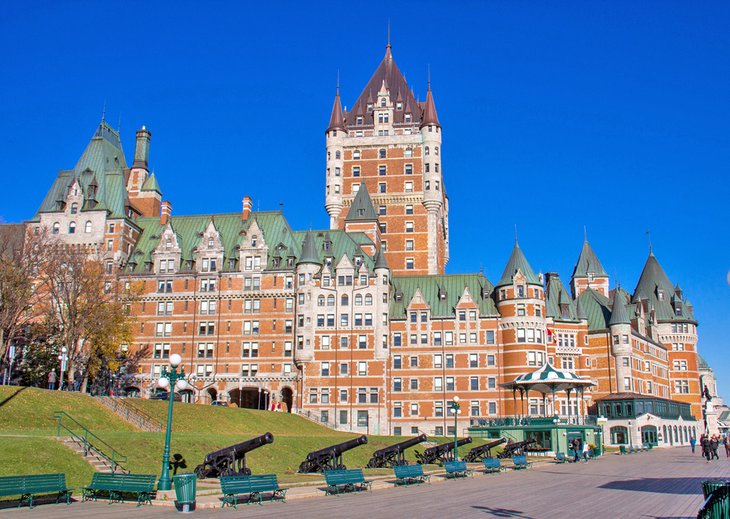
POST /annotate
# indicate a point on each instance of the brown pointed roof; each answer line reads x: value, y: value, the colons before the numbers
x: 429, y: 110
x: 387, y: 73
x: 337, y: 121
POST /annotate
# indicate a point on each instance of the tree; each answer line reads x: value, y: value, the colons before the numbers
x: 84, y: 309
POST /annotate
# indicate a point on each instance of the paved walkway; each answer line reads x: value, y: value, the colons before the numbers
x: 661, y: 484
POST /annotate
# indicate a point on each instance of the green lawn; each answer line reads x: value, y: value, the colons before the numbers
x: 197, y: 430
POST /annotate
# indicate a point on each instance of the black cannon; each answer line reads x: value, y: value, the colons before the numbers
x: 231, y: 461
x: 330, y: 458
x: 515, y: 448
x: 440, y: 453
x: 483, y: 451
x: 393, y: 455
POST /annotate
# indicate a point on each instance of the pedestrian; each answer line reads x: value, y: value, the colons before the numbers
x: 726, y: 442
x: 705, y: 443
x: 692, y: 443
x: 714, y: 444
x: 586, y: 451
x: 575, y: 443
x: 52, y: 379
x: 77, y: 379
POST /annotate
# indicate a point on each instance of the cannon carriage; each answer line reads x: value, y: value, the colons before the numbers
x: 330, y: 458
x: 480, y: 452
x: 440, y: 453
x: 231, y: 460
x: 515, y: 448
x: 393, y: 455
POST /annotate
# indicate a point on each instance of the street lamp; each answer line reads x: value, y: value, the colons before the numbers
x: 63, y: 358
x: 454, y: 406
x: 631, y: 441
x: 170, y: 379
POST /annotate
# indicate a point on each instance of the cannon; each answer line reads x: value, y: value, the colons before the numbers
x: 515, y: 448
x: 330, y: 458
x: 483, y: 451
x: 389, y: 457
x: 231, y: 460
x: 440, y: 453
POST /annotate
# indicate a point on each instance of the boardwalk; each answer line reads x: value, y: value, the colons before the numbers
x: 658, y: 484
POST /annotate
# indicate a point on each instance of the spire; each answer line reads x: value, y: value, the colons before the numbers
x: 309, y: 250
x: 380, y: 262
x: 618, y: 312
x: 588, y: 263
x: 652, y: 278
x: 517, y: 261
x: 151, y: 184
x: 337, y: 120
x: 429, y: 110
x: 362, y: 207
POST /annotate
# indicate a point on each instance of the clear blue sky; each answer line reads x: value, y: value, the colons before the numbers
x: 555, y: 115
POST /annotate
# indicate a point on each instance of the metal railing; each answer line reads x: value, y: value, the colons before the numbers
x: 89, y: 441
x: 517, y: 421
x: 314, y: 417
x: 130, y: 412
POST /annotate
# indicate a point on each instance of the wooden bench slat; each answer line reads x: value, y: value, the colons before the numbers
x: 254, y: 486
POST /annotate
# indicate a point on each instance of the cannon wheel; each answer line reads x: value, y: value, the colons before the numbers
x: 200, y: 471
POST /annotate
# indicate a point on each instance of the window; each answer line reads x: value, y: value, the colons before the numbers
x: 382, y: 170
x: 397, y: 384
x: 450, y: 384
x: 681, y: 386
x: 56, y: 228
x: 414, y: 409
x: 250, y: 349
x: 382, y: 187
x: 164, y: 285
x: 408, y: 169
x: 205, y: 350
x: 410, y: 264
x: 87, y: 226
x: 409, y: 151
x: 438, y: 360
x: 397, y: 339
x: 490, y: 360
x: 325, y: 369
x: 162, y: 351
x: 521, y: 309
x: 72, y: 227
x: 362, y: 368
x: 382, y: 210
x: 438, y: 409
x: 409, y: 226
x: 408, y: 187
x: 164, y: 308
x: 397, y: 362
x: 473, y: 360
x: 492, y: 383
x: 521, y: 335
x: 474, y: 408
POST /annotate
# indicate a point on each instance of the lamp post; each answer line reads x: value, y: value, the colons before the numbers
x: 454, y: 406
x: 631, y: 441
x: 170, y: 379
x: 63, y: 358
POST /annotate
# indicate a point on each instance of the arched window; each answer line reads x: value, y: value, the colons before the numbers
x: 74, y: 208
x: 368, y: 299
x: 72, y: 227
x: 344, y: 300
x: 436, y: 151
x: 330, y: 300
x: 56, y: 228
x: 320, y: 301
x: 87, y: 226
x: 358, y: 300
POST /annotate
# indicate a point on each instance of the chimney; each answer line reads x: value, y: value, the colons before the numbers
x: 165, y: 212
x: 142, y: 149
x: 247, y: 205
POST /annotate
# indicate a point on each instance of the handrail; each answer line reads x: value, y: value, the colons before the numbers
x: 114, y: 459
x: 717, y: 504
x: 128, y: 406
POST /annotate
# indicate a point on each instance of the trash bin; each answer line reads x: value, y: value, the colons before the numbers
x: 185, y: 486
x: 711, y: 485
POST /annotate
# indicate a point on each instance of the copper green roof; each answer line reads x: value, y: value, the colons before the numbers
x: 380, y: 261
x: 560, y: 306
x: 654, y: 285
x: 101, y: 167
x: 309, y: 251
x: 619, y: 315
x: 588, y: 263
x: 441, y: 293
x: 335, y: 244
x: 701, y: 362
x: 597, y: 309
x: 151, y: 184
x: 362, y: 207
x: 517, y: 261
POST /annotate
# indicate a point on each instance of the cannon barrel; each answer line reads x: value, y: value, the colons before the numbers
x: 401, y: 446
x: 476, y: 453
x: 336, y: 450
x: 446, y: 447
x: 242, y: 448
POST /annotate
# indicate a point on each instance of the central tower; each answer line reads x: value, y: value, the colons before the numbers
x: 390, y: 143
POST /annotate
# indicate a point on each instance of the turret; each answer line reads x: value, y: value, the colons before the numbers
x: 362, y: 218
x: 620, y: 329
x: 335, y: 136
x: 433, y: 195
x: 142, y: 149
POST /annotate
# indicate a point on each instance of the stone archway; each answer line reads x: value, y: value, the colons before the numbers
x: 132, y: 391
x: 287, y: 398
x: 212, y: 394
x: 250, y: 397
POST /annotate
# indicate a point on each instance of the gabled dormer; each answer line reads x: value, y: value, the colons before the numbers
x: 167, y: 255
x: 418, y: 309
x: 209, y: 251
x: 518, y: 280
x: 253, y: 249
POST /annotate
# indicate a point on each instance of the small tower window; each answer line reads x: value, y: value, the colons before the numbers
x: 399, y: 106
x: 382, y: 101
x: 56, y: 228
x: 210, y: 243
x: 87, y: 226
x: 72, y: 227
x: 74, y: 208
x: 338, y: 155
x: 426, y: 151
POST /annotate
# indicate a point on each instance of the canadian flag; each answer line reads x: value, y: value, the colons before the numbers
x: 550, y: 335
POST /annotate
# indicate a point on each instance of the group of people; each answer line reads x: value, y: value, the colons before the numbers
x: 710, y: 445
x: 68, y: 385
x: 580, y: 448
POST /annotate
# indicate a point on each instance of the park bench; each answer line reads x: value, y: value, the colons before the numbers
x: 29, y: 486
x: 456, y: 469
x: 254, y: 486
x: 520, y: 462
x: 560, y: 457
x: 408, y: 474
x: 492, y: 465
x: 345, y: 481
x: 116, y: 486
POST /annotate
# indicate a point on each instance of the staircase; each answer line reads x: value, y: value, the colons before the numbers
x: 131, y: 413
x: 98, y: 453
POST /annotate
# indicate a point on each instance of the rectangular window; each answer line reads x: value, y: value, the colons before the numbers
x: 473, y: 360
x: 397, y: 384
x: 382, y: 170
x: 438, y: 360
x: 450, y: 384
x: 362, y: 368
x: 474, y: 383
x: 409, y: 226
x: 408, y: 187
x: 449, y: 360
x: 397, y: 362
x: 408, y: 169
x: 382, y: 187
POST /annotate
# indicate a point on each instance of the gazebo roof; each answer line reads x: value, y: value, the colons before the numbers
x: 548, y: 379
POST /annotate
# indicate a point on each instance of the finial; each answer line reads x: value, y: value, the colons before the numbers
x: 429, y: 77
x: 585, y: 234
x: 648, y: 237
x: 103, y: 112
x: 388, y: 32
x: 517, y: 243
x: 281, y: 207
x: 338, y: 82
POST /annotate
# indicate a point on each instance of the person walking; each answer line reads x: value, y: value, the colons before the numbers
x: 705, y: 443
x: 726, y: 442
x: 52, y: 379
x: 586, y: 451
x: 575, y: 443
x: 692, y: 443
x: 714, y: 444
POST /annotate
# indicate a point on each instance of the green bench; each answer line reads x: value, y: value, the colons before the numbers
x: 345, y: 481
x: 117, y: 485
x: 408, y: 474
x: 253, y: 486
x: 717, y: 502
x: 456, y: 469
x: 27, y: 487
x: 520, y: 462
x: 492, y: 465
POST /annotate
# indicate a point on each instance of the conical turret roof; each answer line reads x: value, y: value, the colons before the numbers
x: 151, y: 184
x: 337, y: 120
x: 588, y: 263
x: 362, y: 207
x: 380, y: 262
x: 309, y: 250
x: 652, y: 278
x: 619, y: 315
x: 429, y: 110
x: 517, y: 261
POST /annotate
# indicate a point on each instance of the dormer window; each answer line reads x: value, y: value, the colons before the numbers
x: 660, y: 295
x: 211, y: 243
x: 254, y: 240
x: 399, y: 106
x: 168, y: 244
x: 358, y: 120
x: 591, y: 277
x: 370, y: 106
x: 358, y: 259
x: 383, y: 101
x: 408, y: 118
x: 74, y: 208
